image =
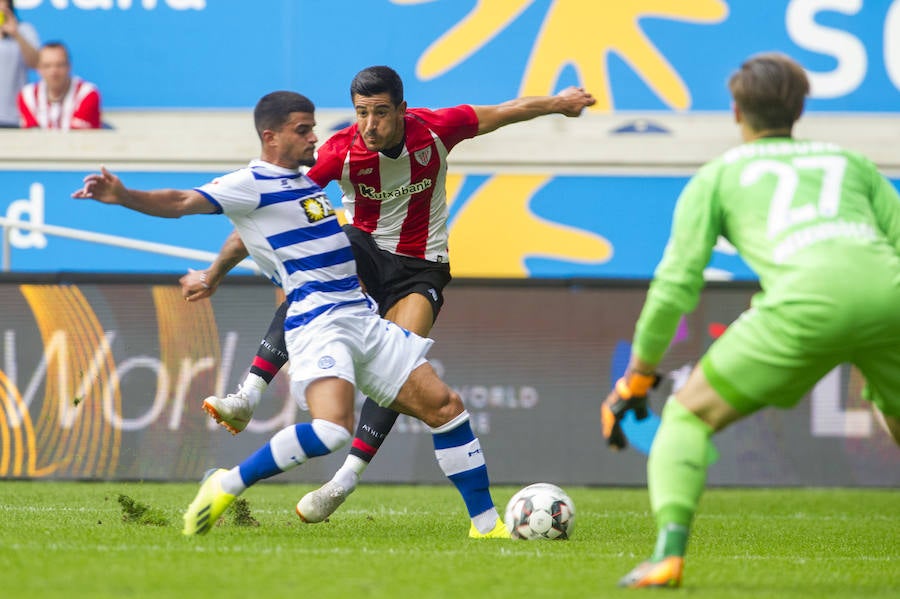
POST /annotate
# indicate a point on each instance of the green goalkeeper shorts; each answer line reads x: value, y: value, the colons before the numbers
x: 774, y: 355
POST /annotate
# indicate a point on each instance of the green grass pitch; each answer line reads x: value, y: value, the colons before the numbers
x: 68, y: 539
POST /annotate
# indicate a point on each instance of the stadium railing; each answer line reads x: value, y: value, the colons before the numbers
x: 124, y: 242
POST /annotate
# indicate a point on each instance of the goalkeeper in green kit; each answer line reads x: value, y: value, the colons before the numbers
x: 820, y: 226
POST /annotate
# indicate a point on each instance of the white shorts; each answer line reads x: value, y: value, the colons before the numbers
x: 355, y: 344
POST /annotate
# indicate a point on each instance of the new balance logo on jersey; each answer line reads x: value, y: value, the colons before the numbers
x: 364, y: 171
x: 316, y: 209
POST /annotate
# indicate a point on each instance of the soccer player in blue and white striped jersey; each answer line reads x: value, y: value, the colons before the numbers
x: 335, y: 339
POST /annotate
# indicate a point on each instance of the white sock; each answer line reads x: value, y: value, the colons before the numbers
x: 348, y: 475
x: 485, y: 521
x: 232, y: 483
x: 252, y: 388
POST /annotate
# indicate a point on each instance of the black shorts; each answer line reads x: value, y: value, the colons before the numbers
x: 388, y: 278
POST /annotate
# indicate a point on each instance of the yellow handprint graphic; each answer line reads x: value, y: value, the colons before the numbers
x: 478, y: 28
x: 500, y: 231
x: 580, y: 34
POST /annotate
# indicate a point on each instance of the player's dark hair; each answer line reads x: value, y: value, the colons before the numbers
x: 377, y: 80
x: 770, y: 90
x: 274, y: 109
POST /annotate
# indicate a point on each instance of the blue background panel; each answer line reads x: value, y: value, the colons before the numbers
x: 199, y: 53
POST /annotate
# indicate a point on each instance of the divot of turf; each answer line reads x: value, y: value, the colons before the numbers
x: 240, y: 513
x: 134, y: 512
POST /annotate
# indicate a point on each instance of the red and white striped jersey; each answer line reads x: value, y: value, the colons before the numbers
x: 79, y: 109
x: 401, y: 202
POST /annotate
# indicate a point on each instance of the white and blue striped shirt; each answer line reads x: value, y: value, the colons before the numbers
x: 290, y: 229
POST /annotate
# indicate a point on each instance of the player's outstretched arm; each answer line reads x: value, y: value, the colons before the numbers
x: 570, y: 102
x: 200, y: 284
x: 107, y: 188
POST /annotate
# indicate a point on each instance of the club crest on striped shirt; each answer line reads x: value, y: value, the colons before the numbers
x: 316, y: 209
x: 423, y: 157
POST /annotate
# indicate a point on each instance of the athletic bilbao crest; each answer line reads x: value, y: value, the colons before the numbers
x: 316, y: 208
x: 423, y: 157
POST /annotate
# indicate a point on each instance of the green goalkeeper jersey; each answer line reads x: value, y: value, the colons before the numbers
x: 817, y: 223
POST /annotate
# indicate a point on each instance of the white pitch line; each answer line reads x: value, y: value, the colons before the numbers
x: 523, y: 548
x: 392, y: 512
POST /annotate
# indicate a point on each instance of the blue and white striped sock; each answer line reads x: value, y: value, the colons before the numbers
x: 289, y: 448
x: 459, y: 455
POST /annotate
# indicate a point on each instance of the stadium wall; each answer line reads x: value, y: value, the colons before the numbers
x: 550, y: 198
x: 102, y: 379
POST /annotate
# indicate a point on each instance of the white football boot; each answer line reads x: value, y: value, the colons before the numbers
x: 233, y: 411
x: 317, y: 505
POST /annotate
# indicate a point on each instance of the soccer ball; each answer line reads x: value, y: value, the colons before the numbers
x: 540, y: 511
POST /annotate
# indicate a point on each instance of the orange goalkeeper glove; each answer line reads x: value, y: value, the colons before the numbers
x: 629, y: 393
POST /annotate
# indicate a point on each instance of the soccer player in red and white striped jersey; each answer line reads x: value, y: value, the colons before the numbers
x: 59, y: 100
x: 396, y: 193
x: 391, y: 165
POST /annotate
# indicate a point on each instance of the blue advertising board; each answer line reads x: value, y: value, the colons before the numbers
x: 637, y: 55
x: 543, y: 225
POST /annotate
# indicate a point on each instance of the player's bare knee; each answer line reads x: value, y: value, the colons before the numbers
x: 425, y: 396
x: 453, y: 406
x: 445, y: 406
